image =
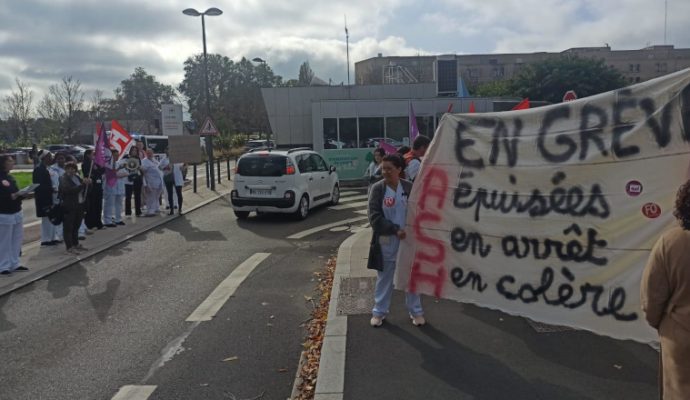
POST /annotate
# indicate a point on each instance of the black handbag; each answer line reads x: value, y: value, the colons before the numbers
x: 375, y: 260
x: 56, y: 214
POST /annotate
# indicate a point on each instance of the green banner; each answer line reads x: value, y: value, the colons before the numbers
x: 351, y: 164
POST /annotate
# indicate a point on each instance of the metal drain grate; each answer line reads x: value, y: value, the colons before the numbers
x: 356, y: 296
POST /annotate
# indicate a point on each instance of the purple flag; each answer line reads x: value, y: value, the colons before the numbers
x: 414, y: 130
x: 101, y: 145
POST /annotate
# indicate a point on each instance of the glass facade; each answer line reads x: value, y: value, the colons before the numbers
x: 368, y: 132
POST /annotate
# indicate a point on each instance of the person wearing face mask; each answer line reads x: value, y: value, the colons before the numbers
x: 387, y: 214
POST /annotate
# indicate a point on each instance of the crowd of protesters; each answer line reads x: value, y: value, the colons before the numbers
x: 70, y: 202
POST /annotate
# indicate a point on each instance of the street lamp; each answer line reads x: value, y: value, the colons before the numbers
x: 268, y: 134
x: 211, y: 12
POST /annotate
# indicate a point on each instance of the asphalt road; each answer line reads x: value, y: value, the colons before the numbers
x: 118, y: 318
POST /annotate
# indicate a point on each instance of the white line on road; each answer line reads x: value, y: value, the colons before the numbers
x: 208, y: 309
x: 300, y: 235
x: 349, y: 205
x: 30, y: 224
x: 351, y: 198
x: 348, y: 192
x: 134, y: 392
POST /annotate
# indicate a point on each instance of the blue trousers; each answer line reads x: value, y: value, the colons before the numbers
x: 384, y: 292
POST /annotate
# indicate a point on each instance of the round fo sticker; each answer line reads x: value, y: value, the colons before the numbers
x: 633, y: 188
x: 389, y: 201
x: 651, y: 210
x: 5, y: 183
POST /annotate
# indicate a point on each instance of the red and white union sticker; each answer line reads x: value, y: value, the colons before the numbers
x: 651, y: 210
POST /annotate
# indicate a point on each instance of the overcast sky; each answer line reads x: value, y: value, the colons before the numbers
x: 101, y: 42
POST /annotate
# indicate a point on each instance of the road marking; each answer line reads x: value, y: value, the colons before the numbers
x: 30, y: 224
x: 363, y: 212
x: 300, y: 235
x: 208, y: 309
x: 349, y: 205
x: 349, y: 192
x: 134, y: 392
x: 350, y: 198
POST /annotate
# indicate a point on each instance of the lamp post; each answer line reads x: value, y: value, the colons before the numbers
x: 211, y: 12
x: 268, y: 134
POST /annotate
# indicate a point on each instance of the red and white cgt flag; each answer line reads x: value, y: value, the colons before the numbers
x: 119, y: 138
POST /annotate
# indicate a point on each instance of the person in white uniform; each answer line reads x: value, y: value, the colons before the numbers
x: 56, y: 171
x: 387, y: 213
x: 113, y: 196
x: 153, y: 183
x: 11, y: 219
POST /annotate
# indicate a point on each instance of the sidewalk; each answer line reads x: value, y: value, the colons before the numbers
x: 464, y: 352
x: 43, y: 261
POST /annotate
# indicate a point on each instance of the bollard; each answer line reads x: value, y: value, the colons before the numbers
x: 208, y: 175
x: 194, y: 178
x: 219, y: 176
x: 227, y: 161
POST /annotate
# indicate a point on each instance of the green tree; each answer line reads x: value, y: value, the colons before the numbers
x: 306, y: 75
x: 498, y: 88
x: 139, y: 97
x: 235, y: 92
x: 550, y: 79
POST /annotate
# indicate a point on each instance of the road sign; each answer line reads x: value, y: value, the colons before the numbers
x: 171, y: 119
x: 570, y: 95
x: 208, y: 128
x: 184, y: 149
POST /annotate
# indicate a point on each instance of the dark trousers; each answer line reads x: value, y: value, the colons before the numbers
x: 133, y: 189
x: 178, y: 190
x: 70, y: 225
x: 94, y: 208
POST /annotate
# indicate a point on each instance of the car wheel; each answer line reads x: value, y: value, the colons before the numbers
x: 335, y: 195
x: 242, y: 214
x: 303, y: 209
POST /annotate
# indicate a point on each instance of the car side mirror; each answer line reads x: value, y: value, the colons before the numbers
x: 331, y: 169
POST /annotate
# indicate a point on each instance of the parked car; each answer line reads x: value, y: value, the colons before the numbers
x: 287, y: 181
x: 73, y: 150
x: 255, y: 144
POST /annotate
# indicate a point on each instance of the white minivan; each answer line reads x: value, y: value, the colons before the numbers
x: 283, y: 181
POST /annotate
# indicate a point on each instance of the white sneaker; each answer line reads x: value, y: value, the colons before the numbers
x: 418, y: 320
x: 376, y: 321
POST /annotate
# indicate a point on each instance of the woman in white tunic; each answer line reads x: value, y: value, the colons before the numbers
x: 114, y: 190
x: 387, y: 213
x: 154, y: 184
x: 11, y: 219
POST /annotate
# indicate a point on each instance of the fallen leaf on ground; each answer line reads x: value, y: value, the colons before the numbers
x: 233, y: 358
x: 616, y: 366
x: 308, y: 298
x: 282, y: 370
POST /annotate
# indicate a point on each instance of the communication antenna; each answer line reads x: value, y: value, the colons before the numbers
x: 347, y: 47
x: 665, y: 19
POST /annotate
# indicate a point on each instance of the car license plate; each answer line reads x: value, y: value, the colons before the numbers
x: 261, y: 192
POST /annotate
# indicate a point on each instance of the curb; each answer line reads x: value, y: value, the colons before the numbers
x: 99, y: 249
x: 330, y: 380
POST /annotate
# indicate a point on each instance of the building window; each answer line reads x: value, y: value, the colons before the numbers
x: 370, y: 131
x: 660, y: 67
x: 398, y: 129
x: 330, y: 133
x: 631, y: 68
x: 637, y: 67
x: 348, y: 133
x: 637, y: 79
x: 426, y: 126
x: 498, y: 72
x: 473, y: 72
x: 493, y: 61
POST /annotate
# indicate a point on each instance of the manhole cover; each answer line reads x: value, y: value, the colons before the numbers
x: 356, y: 296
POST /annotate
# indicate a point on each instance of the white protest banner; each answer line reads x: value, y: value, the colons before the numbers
x: 550, y: 213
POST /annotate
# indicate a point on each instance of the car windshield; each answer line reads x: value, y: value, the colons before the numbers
x: 262, y: 165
